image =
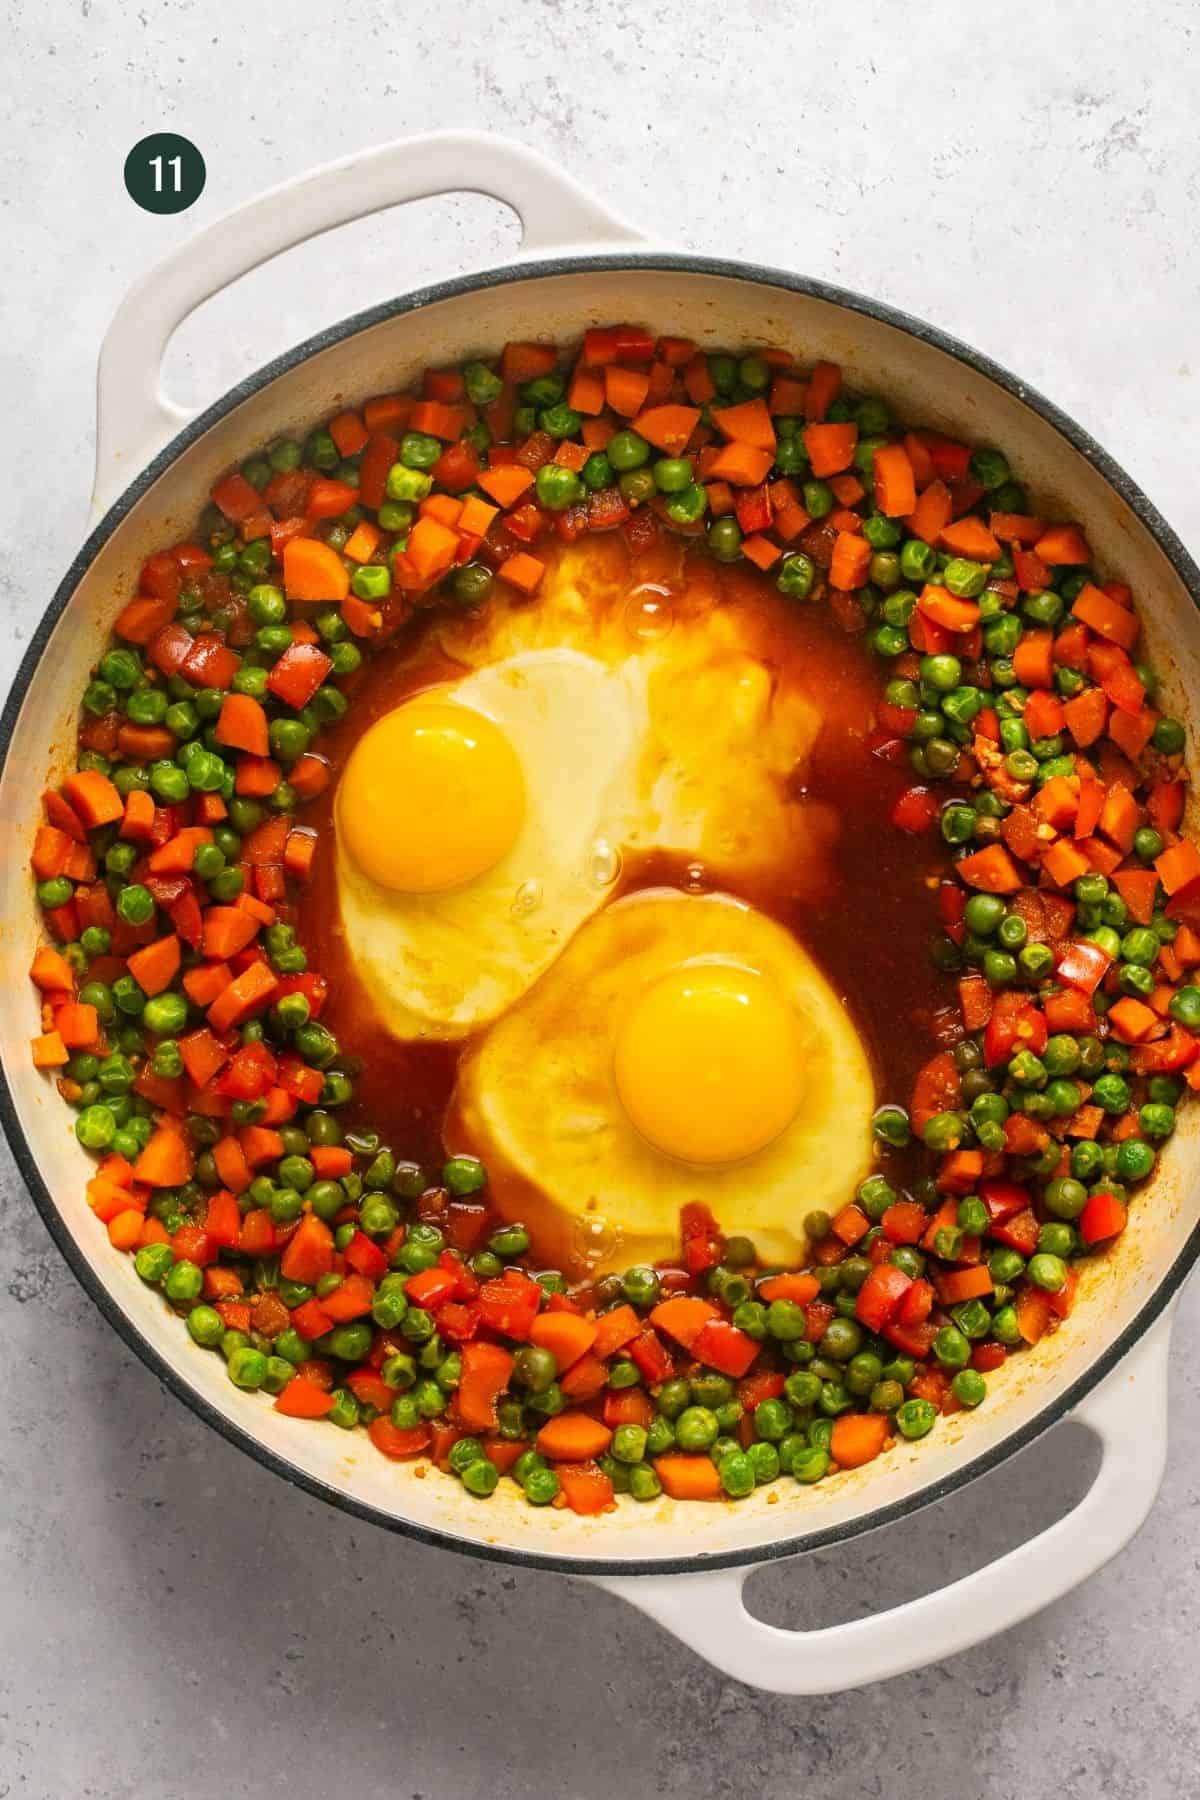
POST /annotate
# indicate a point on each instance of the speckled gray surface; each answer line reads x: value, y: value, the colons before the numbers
x: 175, y: 1620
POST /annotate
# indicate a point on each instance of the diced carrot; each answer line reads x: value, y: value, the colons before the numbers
x: 564, y: 1334
x: 522, y: 571
x: 77, y: 1024
x: 668, y: 428
x: 1057, y: 802
x: 236, y: 497
x: 615, y: 1329
x: 830, y: 447
x: 932, y: 513
x: 586, y: 1489
x: 824, y: 386
x: 1131, y: 1020
x: 312, y: 571
x: 486, y: 1370
x: 858, y: 1438
x: 686, y: 1477
x: 895, y: 485
x: 1107, y: 618
x: 625, y: 389
x: 49, y: 1051
x: 1033, y: 1314
x: 761, y: 551
x: 51, y: 972
x: 308, y: 1253
x: 155, y: 966
x: 260, y: 1144
x: 352, y: 1300
x: 573, y: 1437
x: 202, y: 1055
x: 851, y: 560
x: 750, y: 423
x: 850, y: 1224
x: 964, y: 1284
x: 1131, y: 732
x: 946, y: 609
x: 125, y: 1230
x: 1064, y: 863
x: 227, y: 929
x: 802, y: 1288
x: 586, y: 391
x: 1086, y: 716
x: 331, y: 1161
x: 521, y: 362
x: 50, y: 849
x: 697, y: 381
x: 1137, y: 888
x: 1178, y: 866
x: 432, y: 547
x: 967, y: 537
x: 506, y: 484
x: 166, y: 1160
x: 304, y: 1400
x: 138, y: 823
x: 682, y: 1317
x: 992, y: 870
x: 1033, y: 659
x: 232, y: 1166
x: 142, y: 618
x: 93, y: 797
x: 1062, y: 546
x: 741, y: 464
x: 248, y: 993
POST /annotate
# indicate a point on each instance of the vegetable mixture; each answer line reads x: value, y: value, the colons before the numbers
x: 182, y: 1021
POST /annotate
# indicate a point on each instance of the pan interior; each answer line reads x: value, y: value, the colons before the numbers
x: 926, y: 380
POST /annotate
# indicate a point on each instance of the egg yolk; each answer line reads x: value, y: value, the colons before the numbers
x: 432, y: 796
x: 709, y: 1062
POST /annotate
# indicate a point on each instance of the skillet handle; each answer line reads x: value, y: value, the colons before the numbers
x: 707, y: 1611
x: 133, y: 417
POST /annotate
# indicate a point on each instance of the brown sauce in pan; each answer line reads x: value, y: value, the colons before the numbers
x: 870, y: 928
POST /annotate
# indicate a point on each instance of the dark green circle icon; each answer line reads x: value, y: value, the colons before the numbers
x: 164, y: 173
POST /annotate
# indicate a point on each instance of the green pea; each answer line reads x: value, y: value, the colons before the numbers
x: 891, y: 1125
x: 204, y: 1323
x: 1135, y: 1160
x: 810, y: 1465
x: 165, y: 1014
x: 696, y: 1428
x: 674, y: 1397
x: 629, y: 1443
x: 916, y: 1418
x: 797, y: 575
x: 247, y: 1368
x: 557, y: 487
x: 1047, y: 1272
x: 1169, y: 737
x: 462, y: 1175
x: 969, y: 1388
x: 153, y: 1262
x: 1184, y: 1007
x: 95, y: 1127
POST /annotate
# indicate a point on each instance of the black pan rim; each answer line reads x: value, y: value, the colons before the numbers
x: 85, y: 1271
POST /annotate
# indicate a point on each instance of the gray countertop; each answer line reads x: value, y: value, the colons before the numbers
x: 173, y: 1619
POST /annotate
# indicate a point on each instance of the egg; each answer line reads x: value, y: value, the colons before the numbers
x: 682, y: 1048
x: 484, y: 819
x: 724, y: 732
x: 467, y: 824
